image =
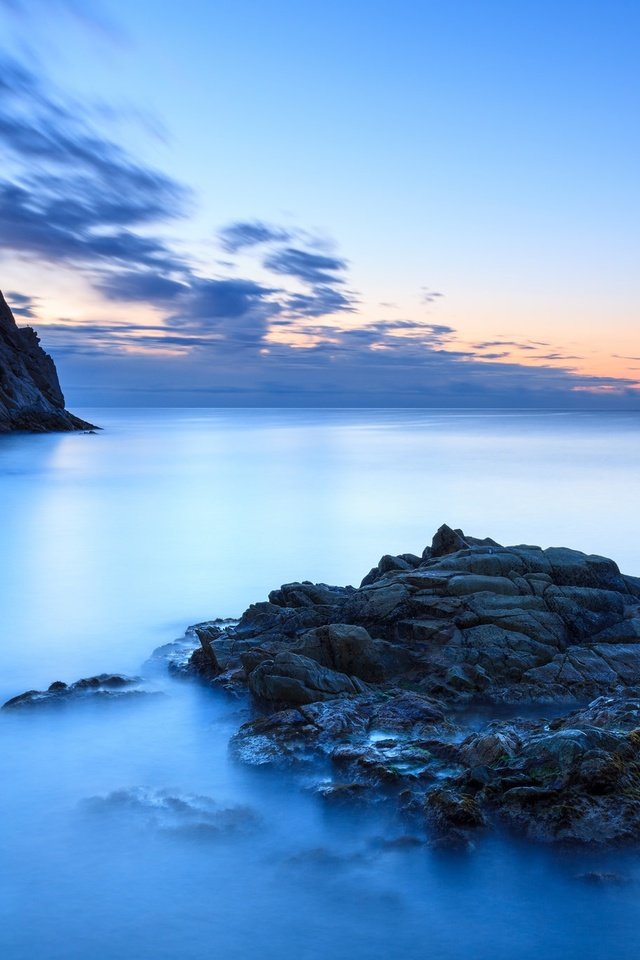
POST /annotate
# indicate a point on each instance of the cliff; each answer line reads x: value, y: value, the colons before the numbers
x: 30, y: 394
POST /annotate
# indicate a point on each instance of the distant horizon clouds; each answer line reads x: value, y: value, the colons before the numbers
x: 142, y: 292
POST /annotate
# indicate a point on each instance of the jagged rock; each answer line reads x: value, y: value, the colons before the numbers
x: 30, y: 394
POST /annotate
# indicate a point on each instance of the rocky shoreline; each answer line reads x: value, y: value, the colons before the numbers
x: 474, y: 685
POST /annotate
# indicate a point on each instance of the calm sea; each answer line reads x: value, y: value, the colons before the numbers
x: 113, y: 543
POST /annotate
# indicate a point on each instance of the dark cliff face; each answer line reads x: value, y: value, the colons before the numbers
x: 30, y: 394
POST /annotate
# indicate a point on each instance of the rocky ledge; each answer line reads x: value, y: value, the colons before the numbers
x: 389, y: 683
x: 30, y: 394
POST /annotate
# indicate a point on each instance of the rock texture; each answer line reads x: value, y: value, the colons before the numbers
x: 469, y: 619
x: 103, y: 687
x: 30, y: 394
x: 379, y: 681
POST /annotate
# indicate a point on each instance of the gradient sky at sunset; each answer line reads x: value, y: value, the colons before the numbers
x: 349, y: 203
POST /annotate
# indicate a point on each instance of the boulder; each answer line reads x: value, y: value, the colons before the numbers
x: 349, y: 649
x: 292, y: 678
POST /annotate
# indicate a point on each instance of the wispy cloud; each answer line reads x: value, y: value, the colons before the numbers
x: 277, y: 319
x: 238, y: 236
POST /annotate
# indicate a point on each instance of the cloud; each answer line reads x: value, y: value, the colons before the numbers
x: 242, y: 234
x: 22, y: 305
x: 69, y: 194
x: 322, y: 300
x: 311, y: 268
x: 87, y: 12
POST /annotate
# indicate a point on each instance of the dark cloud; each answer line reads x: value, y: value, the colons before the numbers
x: 239, y: 311
x: 240, y: 235
x: 142, y: 286
x: 311, y: 268
x: 322, y: 300
x: 349, y: 367
x: 69, y: 194
x: 22, y: 304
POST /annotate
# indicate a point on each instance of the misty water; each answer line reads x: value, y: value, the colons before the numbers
x: 113, y: 543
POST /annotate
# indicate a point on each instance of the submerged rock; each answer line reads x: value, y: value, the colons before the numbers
x: 30, y: 394
x: 180, y: 814
x: 104, y: 686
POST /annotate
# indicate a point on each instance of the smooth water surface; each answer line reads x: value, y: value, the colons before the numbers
x: 114, y: 542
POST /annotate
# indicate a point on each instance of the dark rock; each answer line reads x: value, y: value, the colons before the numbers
x: 30, y: 394
x: 446, y: 809
x: 349, y: 649
x: 105, y: 686
x: 291, y: 678
x: 447, y: 541
x: 373, y: 680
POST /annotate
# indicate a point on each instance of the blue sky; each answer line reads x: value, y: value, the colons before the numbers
x: 432, y: 203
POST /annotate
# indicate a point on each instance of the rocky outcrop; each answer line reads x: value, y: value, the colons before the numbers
x: 378, y: 680
x: 469, y: 619
x: 30, y: 394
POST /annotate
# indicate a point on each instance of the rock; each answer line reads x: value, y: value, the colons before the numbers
x: 30, y: 394
x: 349, y: 649
x: 447, y: 541
x: 373, y: 679
x: 105, y: 686
x: 206, y: 658
x: 292, y: 678
x: 446, y: 810
x: 405, y: 711
x: 185, y: 815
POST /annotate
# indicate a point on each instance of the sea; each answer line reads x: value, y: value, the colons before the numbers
x: 126, y: 829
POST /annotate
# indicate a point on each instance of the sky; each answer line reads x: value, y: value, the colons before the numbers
x: 362, y: 203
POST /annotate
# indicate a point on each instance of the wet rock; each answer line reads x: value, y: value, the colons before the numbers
x: 186, y: 815
x: 292, y: 678
x: 350, y: 649
x: 103, y: 687
x: 407, y: 711
x: 447, y: 809
x: 343, y: 792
